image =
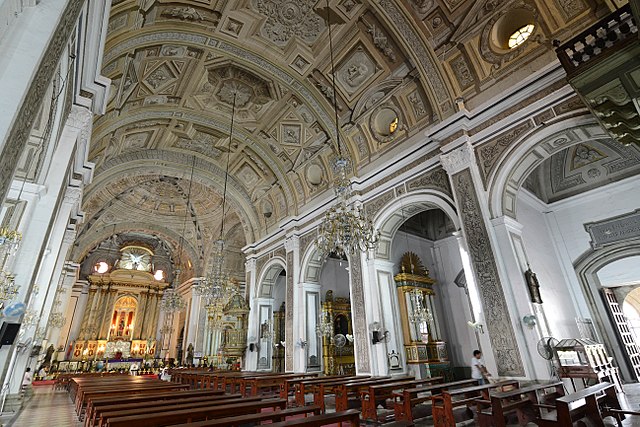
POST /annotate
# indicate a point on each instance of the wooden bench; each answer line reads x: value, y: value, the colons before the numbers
x: 125, y: 390
x: 337, y: 389
x: 275, y: 416
x: 99, y: 405
x: 352, y: 389
x: 351, y: 416
x: 525, y: 403
x: 382, y: 392
x: 408, y: 399
x: 592, y: 403
x: 172, y: 416
x: 176, y: 405
x: 289, y: 384
x: 304, y: 387
x: 251, y: 386
x: 445, y: 404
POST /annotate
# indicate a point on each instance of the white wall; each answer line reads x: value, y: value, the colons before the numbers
x: 555, y: 238
x: 335, y: 277
x: 620, y: 273
x: 558, y: 302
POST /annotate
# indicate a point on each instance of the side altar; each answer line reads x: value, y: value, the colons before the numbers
x: 425, y: 349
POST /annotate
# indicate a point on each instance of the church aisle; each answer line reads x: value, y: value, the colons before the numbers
x: 47, y: 408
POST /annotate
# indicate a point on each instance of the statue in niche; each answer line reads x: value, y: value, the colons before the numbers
x: 48, y: 355
x: 189, y: 360
x: 533, y: 285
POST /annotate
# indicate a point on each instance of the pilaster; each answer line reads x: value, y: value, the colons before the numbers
x: 294, y: 359
x: 461, y: 166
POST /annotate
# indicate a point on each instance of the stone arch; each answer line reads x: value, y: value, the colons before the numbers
x: 587, y: 267
x: 178, y: 165
x: 87, y: 242
x: 392, y: 215
x: 517, y: 162
x: 267, y: 277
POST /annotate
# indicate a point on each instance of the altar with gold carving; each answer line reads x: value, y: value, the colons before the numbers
x: 123, y: 308
x: 423, y: 342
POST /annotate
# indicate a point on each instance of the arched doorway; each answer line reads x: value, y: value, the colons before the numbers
x: 424, y: 225
x: 270, y: 305
x: 328, y: 342
x: 548, y: 192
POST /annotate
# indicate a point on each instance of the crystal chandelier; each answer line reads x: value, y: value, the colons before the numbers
x: 8, y: 287
x: 172, y: 301
x: 9, y: 240
x: 420, y: 314
x: 215, y: 287
x: 324, y: 328
x: 345, y: 228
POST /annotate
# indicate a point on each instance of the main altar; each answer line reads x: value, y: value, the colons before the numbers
x: 123, y: 309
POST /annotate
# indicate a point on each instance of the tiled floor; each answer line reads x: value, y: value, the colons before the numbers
x: 49, y: 408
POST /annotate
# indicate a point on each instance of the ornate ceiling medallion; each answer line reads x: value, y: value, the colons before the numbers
x: 290, y: 18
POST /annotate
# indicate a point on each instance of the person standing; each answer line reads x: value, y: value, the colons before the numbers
x: 26, y: 383
x: 478, y: 370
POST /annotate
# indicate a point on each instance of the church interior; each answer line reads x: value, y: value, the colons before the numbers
x: 319, y: 212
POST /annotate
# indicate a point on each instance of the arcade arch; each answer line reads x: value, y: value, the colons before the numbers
x: 269, y: 302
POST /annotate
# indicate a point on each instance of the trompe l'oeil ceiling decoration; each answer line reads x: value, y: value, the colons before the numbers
x: 174, y: 67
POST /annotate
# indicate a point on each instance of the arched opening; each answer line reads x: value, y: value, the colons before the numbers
x: 271, y: 306
x: 569, y: 188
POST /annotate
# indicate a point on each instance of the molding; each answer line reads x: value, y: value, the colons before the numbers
x: 459, y: 159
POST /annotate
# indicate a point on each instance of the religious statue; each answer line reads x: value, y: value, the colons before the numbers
x: 190, y: 355
x: 533, y: 285
x: 48, y: 355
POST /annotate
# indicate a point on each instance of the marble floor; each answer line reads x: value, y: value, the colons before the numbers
x: 49, y: 408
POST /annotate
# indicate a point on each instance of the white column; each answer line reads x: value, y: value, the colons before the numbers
x: 69, y: 277
x: 251, y: 357
x: 382, y: 289
x: 295, y: 353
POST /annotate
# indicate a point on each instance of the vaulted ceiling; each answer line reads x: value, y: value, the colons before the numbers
x: 175, y: 67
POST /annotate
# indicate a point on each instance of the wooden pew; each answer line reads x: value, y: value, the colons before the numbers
x: 97, y: 405
x: 123, y: 390
x: 592, y: 403
x: 289, y: 384
x: 251, y: 386
x: 235, y: 421
x: 159, y: 419
x: 308, y: 386
x: 174, y: 405
x: 343, y: 391
x: 443, y: 405
x: 525, y: 403
x: 381, y: 392
x: 351, y: 416
x: 405, y: 401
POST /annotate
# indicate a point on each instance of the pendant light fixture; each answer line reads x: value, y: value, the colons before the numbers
x: 345, y: 229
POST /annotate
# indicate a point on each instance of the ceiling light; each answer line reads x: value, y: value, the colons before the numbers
x: 101, y: 267
x: 345, y: 228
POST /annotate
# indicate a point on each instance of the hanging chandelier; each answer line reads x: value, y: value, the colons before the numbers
x: 8, y: 287
x: 324, y: 328
x: 216, y: 287
x: 172, y: 301
x: 9, y: 240
x: 345, y: 228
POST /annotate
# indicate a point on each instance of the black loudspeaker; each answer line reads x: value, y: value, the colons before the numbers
x: 8, y: 333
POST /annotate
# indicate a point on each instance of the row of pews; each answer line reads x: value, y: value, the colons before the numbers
x: 229, y: 398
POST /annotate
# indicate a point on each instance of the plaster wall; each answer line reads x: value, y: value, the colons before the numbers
x: 334, y: 277
x: 555, y: 238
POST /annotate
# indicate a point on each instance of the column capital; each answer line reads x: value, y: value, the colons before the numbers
x: 72, y: 195
x: 292, y: 243
x: 79, y: 117
x: 250, y: 264
x: 507, y: 222
x: 458, y: 159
